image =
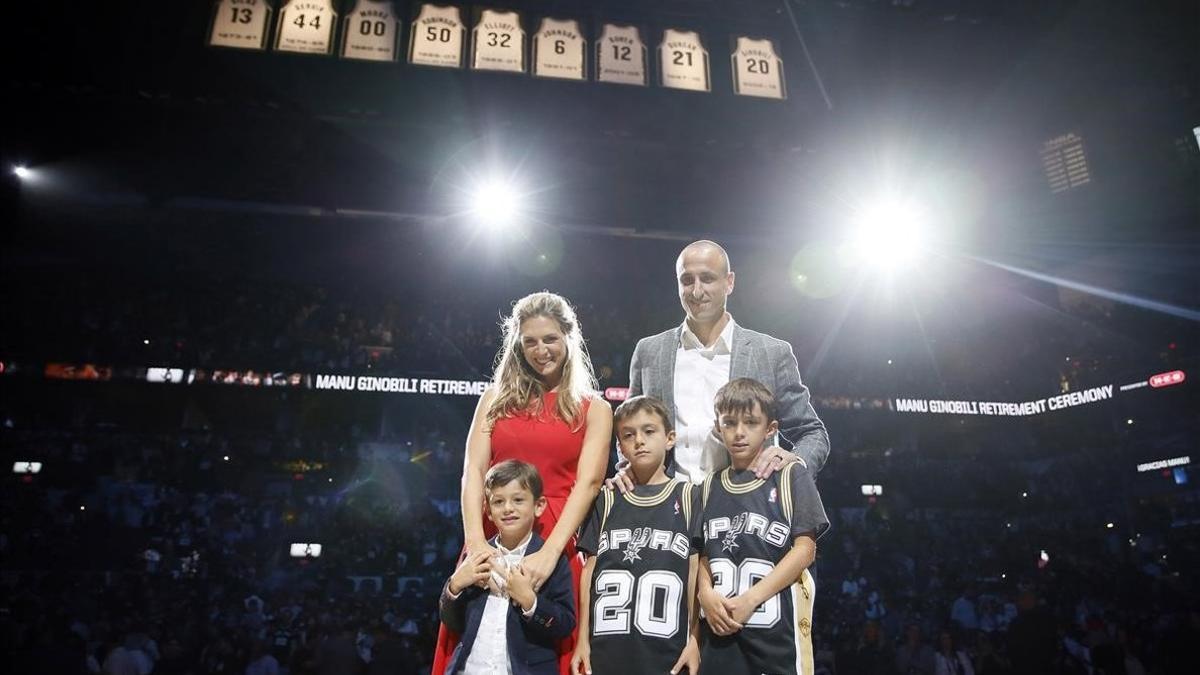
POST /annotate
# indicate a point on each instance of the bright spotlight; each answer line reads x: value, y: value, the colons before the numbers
x: 889, y: 234
x: 22, y: 172
x: 496, y: 202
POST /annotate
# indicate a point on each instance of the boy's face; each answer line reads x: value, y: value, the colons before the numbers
x: 513, y: 509
x: 644, y: 441
x: 744, y: 433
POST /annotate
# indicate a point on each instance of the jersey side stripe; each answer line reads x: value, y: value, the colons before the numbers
x: 785, y: 489
x: 608, y: 504
x: 803, y: 592
x: 686, y: 496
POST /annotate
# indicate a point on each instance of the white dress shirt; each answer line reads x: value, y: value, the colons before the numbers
x: 489, y: 654
x: 699, y: 372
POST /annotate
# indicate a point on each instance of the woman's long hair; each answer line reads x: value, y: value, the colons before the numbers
x: 518, y: 389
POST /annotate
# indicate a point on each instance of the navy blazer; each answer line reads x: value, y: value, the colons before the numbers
x: 532, y: 642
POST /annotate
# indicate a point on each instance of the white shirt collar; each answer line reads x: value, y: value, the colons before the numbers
x: 724, y: 343
x: 518, y: 550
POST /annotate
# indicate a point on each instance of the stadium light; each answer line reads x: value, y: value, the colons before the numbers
x: 496, y: 202
x: 888, y: 234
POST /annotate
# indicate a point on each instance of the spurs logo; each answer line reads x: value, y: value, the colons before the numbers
x: 735, y: 528
x: 641, y: 536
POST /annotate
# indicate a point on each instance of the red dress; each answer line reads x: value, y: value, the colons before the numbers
x: 549, y: 444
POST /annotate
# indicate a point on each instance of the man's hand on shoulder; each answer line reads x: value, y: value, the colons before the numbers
x: 772, y: 459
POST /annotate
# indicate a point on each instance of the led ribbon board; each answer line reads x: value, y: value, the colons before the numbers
x: 241, y: 24
x: 306, y: 27
x: 498, y: 42
x: 371, y: 32
x: 757, y: 69
x: 684, y: 61
x: 437, y: 37
x: 559, y: 50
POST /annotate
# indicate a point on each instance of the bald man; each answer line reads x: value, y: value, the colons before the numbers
x: 686, y: 365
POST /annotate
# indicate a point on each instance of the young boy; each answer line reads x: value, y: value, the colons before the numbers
x: 759, y: 539
x: 508, y: 621
x: 636, y: 592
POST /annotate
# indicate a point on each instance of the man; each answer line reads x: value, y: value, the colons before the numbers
x: 686, y: 365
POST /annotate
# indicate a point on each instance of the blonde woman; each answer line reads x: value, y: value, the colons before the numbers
x: 541, y: 408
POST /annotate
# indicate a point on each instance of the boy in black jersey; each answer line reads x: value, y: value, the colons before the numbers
x: 637, y: 590
x: 759, y: 539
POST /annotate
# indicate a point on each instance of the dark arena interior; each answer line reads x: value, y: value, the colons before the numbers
x: 256, y: 255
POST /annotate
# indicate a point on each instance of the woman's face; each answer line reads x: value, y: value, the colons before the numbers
x: 544, y: 347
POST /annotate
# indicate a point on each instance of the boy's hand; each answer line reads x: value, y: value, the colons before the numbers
x: 520, y: 588
x: 475, y: 546
x: 475, y: 569
x: 621, y: 482
x: 581, y: 660
x: 689, y: 658
x: 772, y: 459
x: 740, y: 607
x: 719, y: 619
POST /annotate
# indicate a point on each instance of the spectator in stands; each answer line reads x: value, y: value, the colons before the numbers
x: 1032, y: 636
x: 870, y: 656
x: 914, y: 657
x: 963, y: 611
x: 949, y: 659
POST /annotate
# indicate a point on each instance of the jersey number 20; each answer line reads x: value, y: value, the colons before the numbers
x: 730, y: 580
x: 656, y: 599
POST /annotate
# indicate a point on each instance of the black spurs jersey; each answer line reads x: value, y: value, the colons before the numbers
x: 749, y: 525
x: 639, y: 592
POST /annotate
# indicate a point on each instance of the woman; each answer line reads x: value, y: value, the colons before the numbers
x: 542, y: 408
x: 949, y: 659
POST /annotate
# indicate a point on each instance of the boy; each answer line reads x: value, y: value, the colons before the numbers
x: 636, y: 592
x: 759, y: 539
x: 508, y: 621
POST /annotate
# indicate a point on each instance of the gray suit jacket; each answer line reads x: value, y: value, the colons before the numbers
x: 755, y: 355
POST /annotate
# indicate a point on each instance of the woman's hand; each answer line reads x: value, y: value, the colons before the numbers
x: 539, y: 566
x: 581, y: 660
x: 621, y: 481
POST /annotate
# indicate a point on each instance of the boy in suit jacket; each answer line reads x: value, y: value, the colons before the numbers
x: 491, y: 601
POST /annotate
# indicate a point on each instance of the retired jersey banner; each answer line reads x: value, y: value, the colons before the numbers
x: 241, y: 24
x: 684, y: 61
x: 498, y: 42
x: 306, y: 27
x: 560, y: 50
x: 437, y: 37
x: 621, y: 55
x: 757, y: 69
x: 371, y: 32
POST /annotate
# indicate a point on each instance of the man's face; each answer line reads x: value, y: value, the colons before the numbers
x: 704, y: 283
x: 643, y: 440
x: 513, y: 509
x: 745, y: 433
